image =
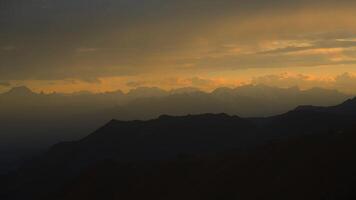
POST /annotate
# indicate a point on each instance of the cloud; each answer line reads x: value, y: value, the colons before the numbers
x: 169, y: 83
x: 86, y: 50
x: 83, y: 39
x: 135, y: 83
x: 91, y: 80
x: 7, y: 48
x: 320, y: 46
x: 345, y: 82
x: 197, y: 81
x: 5, y: 84
x: 291, y: 80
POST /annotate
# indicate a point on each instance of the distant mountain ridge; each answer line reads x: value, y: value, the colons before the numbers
x: 30, y: 120
x: 19, y: 91
x: 209, y: 130
x: 246, y: 101
x: 170, y: 137
x: 348, y: 107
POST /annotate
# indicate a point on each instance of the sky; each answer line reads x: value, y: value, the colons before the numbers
x: 73, y: 45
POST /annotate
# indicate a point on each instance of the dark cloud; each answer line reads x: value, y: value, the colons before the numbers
x: 240, y: 62
x: 82, y: 39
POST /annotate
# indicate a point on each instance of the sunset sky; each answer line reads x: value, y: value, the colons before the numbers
x: 73, y: 45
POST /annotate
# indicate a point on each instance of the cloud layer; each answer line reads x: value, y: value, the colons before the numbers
x: 88, y: 40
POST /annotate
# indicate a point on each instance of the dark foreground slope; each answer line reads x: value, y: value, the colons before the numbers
x: 307, y: 153
x: 311, y: 167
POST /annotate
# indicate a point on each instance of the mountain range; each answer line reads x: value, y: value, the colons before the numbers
x: 209, y: 151
x: 30, y: 122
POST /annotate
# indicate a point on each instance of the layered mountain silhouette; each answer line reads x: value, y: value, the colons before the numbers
x: 348, y: 107
x: 306, y: 153
x: 19, y: 91
x: 244, y: 101
x: 32, y: 120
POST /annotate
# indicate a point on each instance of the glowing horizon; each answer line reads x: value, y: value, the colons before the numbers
x: 67, y: 46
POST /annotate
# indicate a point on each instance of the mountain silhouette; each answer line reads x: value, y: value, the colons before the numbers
x: 162, y: 138
x: 348, y: 107
x: 262, y: 156
x: 245, y: 101
x: 30, y: 120
x: 20, y: 91
x: 310, y: 167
